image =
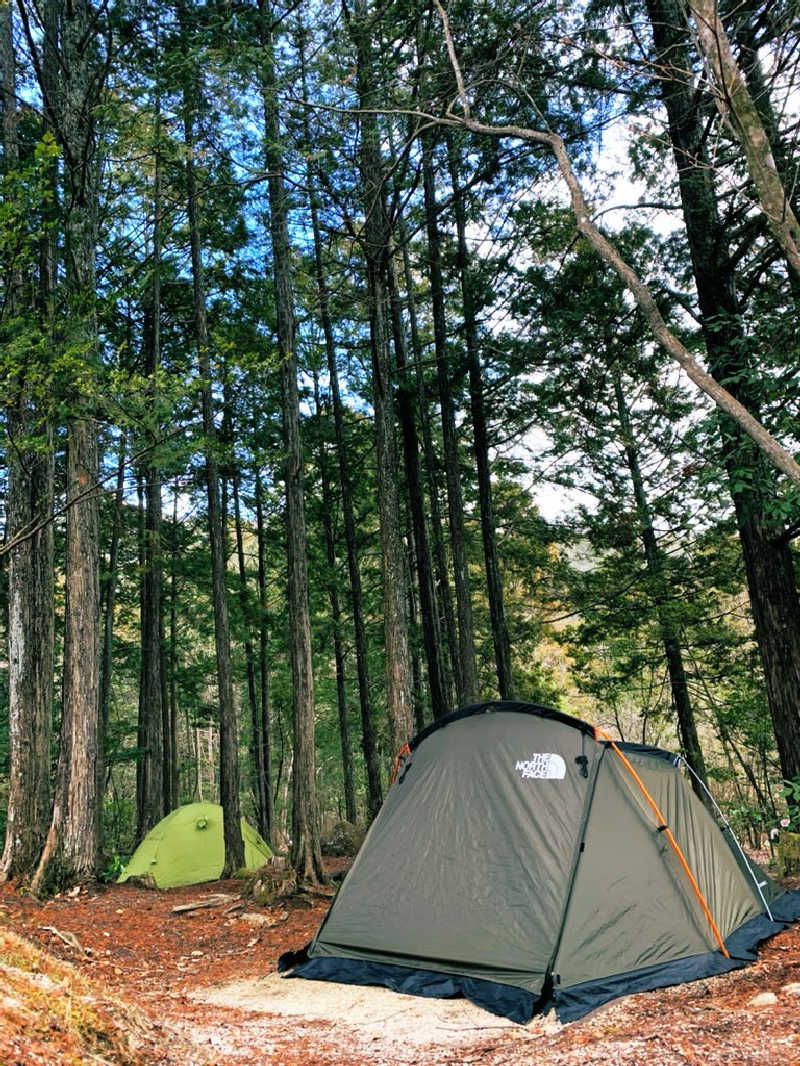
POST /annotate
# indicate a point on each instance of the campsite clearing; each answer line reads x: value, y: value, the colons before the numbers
x: 203, y: 987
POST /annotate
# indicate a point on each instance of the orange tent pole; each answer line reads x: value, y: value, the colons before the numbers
x: 673, y: 842
x: 404, y: 752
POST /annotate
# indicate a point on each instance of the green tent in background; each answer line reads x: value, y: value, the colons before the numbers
x: 187, y: 847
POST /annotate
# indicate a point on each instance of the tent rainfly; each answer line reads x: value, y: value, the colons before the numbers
x: 524, y: 860
x: 188, y: 847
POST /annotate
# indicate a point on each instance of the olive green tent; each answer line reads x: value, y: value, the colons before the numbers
x: 524, y: 860
x: 187, y: 847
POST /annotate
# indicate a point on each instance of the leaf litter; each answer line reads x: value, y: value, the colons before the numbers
x: 114, y: 974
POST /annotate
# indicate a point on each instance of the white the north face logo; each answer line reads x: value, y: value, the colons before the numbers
x: 542, y: 765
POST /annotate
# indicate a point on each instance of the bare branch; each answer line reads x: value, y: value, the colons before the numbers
x: 451, y: 51
x: 735, y: 103
x: 645, y: 301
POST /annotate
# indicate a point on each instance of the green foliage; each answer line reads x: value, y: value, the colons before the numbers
x: 112, y: 869
x: 26, y: 199
x: 791, y: 793
x: 748, y: 822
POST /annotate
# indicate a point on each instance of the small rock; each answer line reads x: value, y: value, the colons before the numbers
x: 793, y: 988
x: 344, y: 839
x: 763, y: 999
x: 263, y: 919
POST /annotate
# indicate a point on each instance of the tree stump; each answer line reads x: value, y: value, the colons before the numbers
x: 275, y: 880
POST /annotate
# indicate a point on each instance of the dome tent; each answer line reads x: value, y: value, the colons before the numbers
x: 523, y: 860
x: 187, y: 847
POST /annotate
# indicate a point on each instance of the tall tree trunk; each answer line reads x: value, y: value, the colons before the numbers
x: 431, y: 637
x: 108, y: 596
x: 225, y: 451
x: 30, y: 568
x: 417, y: 690
x: 259, y: 776
x: 154, y: 490
x: 154, y: 754
x: 141, y: 737
x: 336, y: 613
x: 466, y: 673
x: 228, y: 742
x: 656, y: 569
x: 263, y: 665
x: 368, y: 743
x: 71, y: 849
x: 306, y: 854
x: 445, y: 613
x: 767, y: 555
x: 172, y: 658
x: 375, y: 242
x: 480, y: 435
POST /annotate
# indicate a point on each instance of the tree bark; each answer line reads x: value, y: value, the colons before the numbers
x: 172, y: 658
x: 431, y: 638
x: 108, y: 597
x: 336, y: 614
x: 71, y: 849
x: 260, y: 784
x: 375, y: 243
x: 368, y: 742
x: 445, y: 618
x: 306, y: 854
x: 263, y: 666
x: 466, y: 673
x: 417, y: 691
x: 480, y: 436
x: 30, y: 460
x: 228, y: 743
x: 154, y: 757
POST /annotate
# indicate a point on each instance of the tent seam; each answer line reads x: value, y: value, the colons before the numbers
x: 576, y: 860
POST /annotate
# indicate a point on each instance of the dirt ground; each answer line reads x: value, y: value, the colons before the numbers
x: 199, y: 988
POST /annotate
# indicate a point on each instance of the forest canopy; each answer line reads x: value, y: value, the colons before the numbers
x: 363, y: 361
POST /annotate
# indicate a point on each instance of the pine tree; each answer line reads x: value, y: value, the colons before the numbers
x: 29, y: 533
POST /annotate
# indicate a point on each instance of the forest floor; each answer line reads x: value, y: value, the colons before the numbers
x: 111, y: 974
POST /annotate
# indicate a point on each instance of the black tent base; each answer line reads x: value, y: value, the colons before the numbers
x: 506, y: 1000
x: 572, y: 1003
